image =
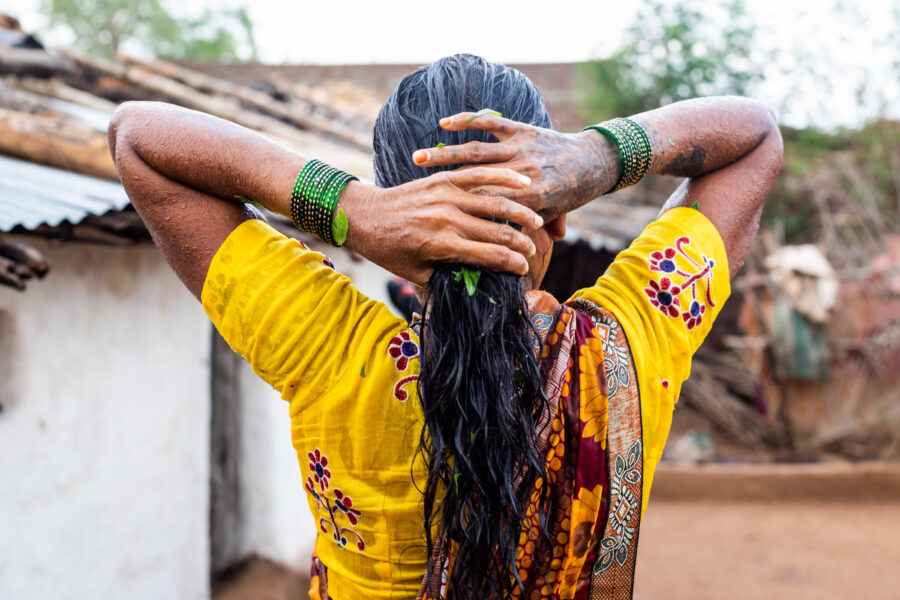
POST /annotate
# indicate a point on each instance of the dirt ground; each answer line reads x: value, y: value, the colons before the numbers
x: 733, y: 532
x: 772, y: 531
x: 743, y: 551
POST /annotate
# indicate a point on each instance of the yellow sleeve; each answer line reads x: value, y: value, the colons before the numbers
x: 297, y: 321
x: 666, y: 290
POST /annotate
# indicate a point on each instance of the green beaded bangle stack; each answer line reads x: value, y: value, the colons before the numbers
x: 314, y: 202
x: 634, y: 149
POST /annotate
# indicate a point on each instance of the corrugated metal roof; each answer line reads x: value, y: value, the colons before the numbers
x: 32, y: 195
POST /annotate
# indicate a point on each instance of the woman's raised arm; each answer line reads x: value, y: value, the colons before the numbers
x: 729, y: 149
x: 183, y: 171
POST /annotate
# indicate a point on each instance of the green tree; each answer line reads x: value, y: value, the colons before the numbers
x: 103, y: 27
x: 673, y: 51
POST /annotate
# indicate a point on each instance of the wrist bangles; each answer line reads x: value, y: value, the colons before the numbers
x: 314, y: 202
x: 634, y: 149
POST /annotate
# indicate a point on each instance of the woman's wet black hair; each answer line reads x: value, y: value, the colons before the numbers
x: 480, y: 384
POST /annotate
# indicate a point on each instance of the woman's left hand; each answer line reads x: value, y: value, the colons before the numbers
x: 406, y: 229
x: 567, y: 170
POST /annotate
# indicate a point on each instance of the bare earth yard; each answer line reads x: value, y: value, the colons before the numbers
x: 804, y: 532
x: 796, y: 551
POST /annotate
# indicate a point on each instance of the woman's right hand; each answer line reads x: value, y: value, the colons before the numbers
x: 568, y: 170
x: 406, y: 229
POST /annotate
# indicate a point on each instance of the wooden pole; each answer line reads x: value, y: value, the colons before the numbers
x: 294, y: 112
x: 56, y: 141
x: 24, y: 255
x: 38, y: 63
x: 55, y: 88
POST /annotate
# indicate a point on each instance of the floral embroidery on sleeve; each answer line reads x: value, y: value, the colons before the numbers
x: 679, y: 276
x: 318, y: 466
x: 342, y: 505
x: 403, y: 348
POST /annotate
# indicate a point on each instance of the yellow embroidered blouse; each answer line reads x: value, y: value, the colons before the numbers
x: 348, y: 368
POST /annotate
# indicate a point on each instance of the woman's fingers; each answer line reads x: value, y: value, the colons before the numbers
x: 500, y: 208
x: 501, y: 128
x: 500, y: 234
x: 492, y: 256
x: 485, y: 176
x: 469, y: 153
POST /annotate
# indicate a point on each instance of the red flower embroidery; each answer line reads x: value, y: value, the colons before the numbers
x: 345, y: 504
x: 318, y: 466
x: 342, y: 504
x: 403, y: 349
x: 664, y: 296
x: 663, y: 262
x: 693, y: 316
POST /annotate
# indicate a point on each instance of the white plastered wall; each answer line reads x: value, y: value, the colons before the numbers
x: 104, y: 432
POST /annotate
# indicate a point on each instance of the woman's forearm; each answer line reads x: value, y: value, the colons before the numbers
x: 218, y: 158
x: 688, y: 139
x: 695, y: 137
x: 207, y: 154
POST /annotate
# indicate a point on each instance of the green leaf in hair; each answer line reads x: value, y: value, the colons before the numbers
x: 440, y: 145
x: 247, y: 200
x: 482, y: 112
x: 671, y: 143
x: 470, y: 276
x: 456, y: 482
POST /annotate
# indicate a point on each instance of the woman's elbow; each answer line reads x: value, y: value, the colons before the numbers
x: 773, y: 144
x: 770, y: 144
x: 120, y: 127
x: 117, y: 126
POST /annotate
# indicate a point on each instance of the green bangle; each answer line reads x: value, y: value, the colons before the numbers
x: 314, y: 202
x: 634, y: 149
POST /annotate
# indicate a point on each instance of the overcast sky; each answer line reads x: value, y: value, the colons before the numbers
x: 848, y: 44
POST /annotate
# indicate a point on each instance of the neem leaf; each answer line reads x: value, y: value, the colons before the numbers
x: 695, y: 206
x: 671, y: 143
x: 339, y: 228
x: 470, y: 276
x: 492, y: 301
x: 456, y: 482
x: 470, y: 284
x: 440, y: 145
x: 363, y: 372
x: 482, y: 112
x: 476, y: 275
